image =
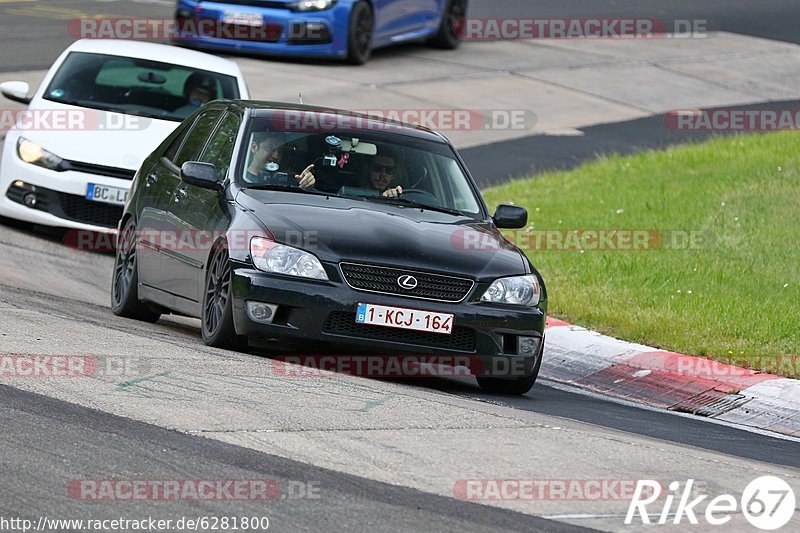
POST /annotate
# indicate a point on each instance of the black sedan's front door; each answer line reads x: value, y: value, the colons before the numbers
x: 192, y: 214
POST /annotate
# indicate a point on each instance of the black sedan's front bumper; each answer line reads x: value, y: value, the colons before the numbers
x: 323, y: 313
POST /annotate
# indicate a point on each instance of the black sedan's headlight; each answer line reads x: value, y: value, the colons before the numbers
x: 33, y: 153
x: 312, y: 5
x: 517, y: 290
x: 277, y: 258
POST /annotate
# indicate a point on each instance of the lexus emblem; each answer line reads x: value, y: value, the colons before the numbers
x: 407, y: 282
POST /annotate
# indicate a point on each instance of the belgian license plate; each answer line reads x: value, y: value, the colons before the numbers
x: 403, y: 318
x: 242, y: 18
x: 105, y: 194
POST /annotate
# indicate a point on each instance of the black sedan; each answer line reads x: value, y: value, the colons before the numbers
x: 311, y: 227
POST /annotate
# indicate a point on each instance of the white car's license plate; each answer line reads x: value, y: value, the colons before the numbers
x: 400, y: 317
x: 105, y: 194
x: 242, y: 18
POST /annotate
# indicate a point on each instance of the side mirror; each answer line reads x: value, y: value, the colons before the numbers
x: 200, y: 174
x: 510, y: 216
x: 16, y: 91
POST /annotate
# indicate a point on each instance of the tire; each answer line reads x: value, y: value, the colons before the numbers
x: 359, y: 34
x: 518, y: 386
x: 448, y: 37
x: 125, y: 280
x: 217, y: 312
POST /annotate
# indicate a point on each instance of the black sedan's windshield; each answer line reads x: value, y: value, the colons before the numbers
x: 380, y: 166
x: 136, y: 86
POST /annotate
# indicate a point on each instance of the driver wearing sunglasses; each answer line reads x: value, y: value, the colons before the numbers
x: 382, y: 172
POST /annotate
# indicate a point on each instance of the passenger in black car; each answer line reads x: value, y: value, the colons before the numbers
x: 267, y: 157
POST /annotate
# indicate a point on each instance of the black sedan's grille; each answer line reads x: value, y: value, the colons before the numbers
x: 385, y: 280
x: 80, y: 209
x: 341, y: 323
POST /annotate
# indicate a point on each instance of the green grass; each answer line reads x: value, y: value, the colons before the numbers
x: 737, y: 295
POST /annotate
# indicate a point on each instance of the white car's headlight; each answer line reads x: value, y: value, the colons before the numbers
x: 33, y: 153
x: 518, y: 290
x: 277, y: 258
x: 312, y: 5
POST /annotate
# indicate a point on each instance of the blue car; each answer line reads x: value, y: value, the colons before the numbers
x: 344, y: 29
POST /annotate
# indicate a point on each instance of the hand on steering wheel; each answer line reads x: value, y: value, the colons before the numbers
x: 393, y: 193
x: 421, y: 195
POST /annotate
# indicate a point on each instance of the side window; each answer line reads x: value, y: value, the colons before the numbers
x: 196, y: 138
x: 172, y: 150
x: 219, y: 150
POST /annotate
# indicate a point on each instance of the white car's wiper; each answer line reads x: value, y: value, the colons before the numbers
x: 109, y: 107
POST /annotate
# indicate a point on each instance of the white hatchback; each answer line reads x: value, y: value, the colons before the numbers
x: 103, y: 107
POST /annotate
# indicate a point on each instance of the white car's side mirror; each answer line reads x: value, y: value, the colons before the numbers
x: 16, y: 91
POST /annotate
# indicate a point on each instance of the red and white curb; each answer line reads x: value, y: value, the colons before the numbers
x: 584, y: 358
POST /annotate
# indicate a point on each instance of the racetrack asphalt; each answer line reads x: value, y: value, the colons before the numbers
x: 48, y: 444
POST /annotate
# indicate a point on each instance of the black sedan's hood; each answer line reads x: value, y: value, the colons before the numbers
x: 342, y: 229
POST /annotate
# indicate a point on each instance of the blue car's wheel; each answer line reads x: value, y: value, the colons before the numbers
x: 449, y: 34
x: 359, y: 36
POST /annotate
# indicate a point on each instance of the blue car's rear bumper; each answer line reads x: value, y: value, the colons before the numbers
x: 282, y: 35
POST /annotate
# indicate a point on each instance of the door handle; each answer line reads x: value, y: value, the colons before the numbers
x: 180, y: 194
x: 151, y: 179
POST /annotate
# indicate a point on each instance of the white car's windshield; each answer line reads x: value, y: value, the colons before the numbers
x: 136, y: 86
x: 364, y: 164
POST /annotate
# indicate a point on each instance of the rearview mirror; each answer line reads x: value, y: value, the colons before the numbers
x: 200, y: 174
x: 16, y: 91
x: 510, y: 216
x: 357, y: 147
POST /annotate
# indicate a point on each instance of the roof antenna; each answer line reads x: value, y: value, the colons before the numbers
x: 301, y: 98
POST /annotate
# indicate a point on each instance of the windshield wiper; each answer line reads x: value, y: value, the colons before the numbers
x: 287, y: 188
x: 112, y: 108
x: 410, y: 203
x: 69, y: 101
x: 148, y: 114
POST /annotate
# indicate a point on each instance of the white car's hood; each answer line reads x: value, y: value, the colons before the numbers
x: 93, y: 136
